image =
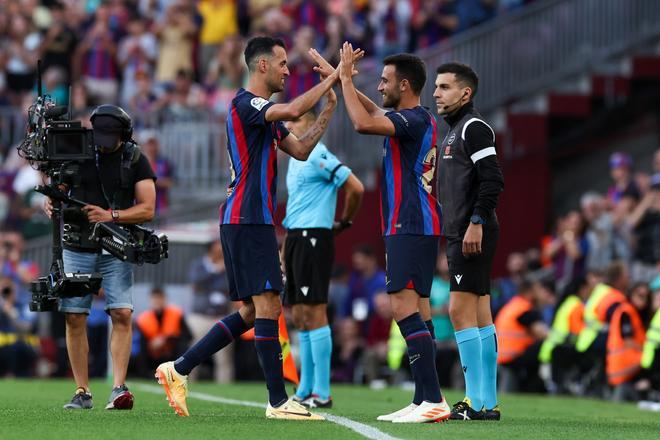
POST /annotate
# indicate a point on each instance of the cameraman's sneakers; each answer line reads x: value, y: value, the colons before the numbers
x: 315, y: 401
x: 81, y: 400
x: 120, y: 398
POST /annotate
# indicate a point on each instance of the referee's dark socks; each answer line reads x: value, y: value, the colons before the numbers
x: 420, y: 355
x: 269, y: 350
x: 419, y: 390
x: 220, y: 335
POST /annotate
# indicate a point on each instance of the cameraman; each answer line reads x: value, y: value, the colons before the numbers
x: 119, y: 187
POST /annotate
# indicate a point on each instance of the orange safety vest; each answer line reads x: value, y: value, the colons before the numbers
x: 170, y: 326
x: 576, y: 319
x: 288, y: 364
x: 512, y: 337
x: 624, y: 356
x: 612, y: 297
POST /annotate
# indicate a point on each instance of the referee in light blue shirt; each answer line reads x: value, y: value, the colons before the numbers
x: 309, y: 252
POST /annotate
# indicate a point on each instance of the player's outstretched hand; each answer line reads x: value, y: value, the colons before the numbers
x: 346, y: 63
x: 325, y: 69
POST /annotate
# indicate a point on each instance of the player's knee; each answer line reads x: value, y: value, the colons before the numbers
x: 247, y: 312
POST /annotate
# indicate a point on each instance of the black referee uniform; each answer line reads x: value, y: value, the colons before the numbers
x: 469, y: 183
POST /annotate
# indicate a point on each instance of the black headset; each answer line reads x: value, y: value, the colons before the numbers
x: 117, y: 113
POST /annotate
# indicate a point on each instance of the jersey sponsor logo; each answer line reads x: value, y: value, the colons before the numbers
x: 258, y: 103
x: 405, y: 121
x: 447, y: 153
x: 458, y: 278
x: 428, y: 170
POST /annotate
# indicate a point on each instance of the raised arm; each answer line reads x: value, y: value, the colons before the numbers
x: 300, y: 148
x: 302, y: 104
x: 362, y: 121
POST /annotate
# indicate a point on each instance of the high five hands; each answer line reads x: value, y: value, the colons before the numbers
x: 324, y: 68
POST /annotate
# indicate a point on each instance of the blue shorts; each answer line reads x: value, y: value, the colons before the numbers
x: 117, y: 281
x: 252, y: 259
x: 410, y: 262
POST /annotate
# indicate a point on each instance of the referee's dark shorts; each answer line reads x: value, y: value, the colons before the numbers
x: 308, y: 257
x: 472, y: 274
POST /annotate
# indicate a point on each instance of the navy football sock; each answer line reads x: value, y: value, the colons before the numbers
x: 269, y: 350
x: 420, y: 355
x: 220, y: 335
x: 419, y: 394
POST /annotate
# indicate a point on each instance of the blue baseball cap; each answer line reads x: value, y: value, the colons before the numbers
x: 619, y: 159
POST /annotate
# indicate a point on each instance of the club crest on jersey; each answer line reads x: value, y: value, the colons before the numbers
x: 258, y: 103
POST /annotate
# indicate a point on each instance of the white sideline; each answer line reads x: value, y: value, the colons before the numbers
x: 364, y: 430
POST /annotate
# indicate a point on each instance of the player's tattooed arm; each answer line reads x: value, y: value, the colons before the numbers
x: 300, y: 148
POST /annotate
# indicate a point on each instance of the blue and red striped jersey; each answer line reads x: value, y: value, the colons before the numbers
x: 407, y: 205
x: 252, y: 145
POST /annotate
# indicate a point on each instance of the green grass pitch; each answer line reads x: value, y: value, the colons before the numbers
x: 32, y: 409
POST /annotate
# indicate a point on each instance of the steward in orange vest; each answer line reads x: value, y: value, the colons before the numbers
x: 625, y: 343
x: 520, y: 331
x: 162, y: 328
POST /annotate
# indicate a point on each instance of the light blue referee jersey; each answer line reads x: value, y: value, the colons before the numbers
x: 313, y: 186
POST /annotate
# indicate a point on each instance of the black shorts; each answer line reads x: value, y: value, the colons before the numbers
x: 252, y: 260
x: 308, y: 257
x: 410, y: 262
x: 472, y: 274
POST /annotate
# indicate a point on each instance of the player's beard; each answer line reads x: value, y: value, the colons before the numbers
x: 391, y: 100
x: 276, y: 85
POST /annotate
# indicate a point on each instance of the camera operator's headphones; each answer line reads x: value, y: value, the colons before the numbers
x: 117, y: 113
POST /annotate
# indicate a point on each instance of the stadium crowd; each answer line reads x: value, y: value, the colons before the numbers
x: 578, y: 314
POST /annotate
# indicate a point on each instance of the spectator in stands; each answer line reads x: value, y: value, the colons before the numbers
x: 22, y: 50
x: 164, y: 332
x: 568, y: 249
x: 366, y: 280
x: 521, y: 330
x: 163, y: 169
x: 138, y: 52
x: 59, y: 41
x: 302, y: 76
x: 211, y: 302
x: 389, y: 19
x: 226, y: 73
x: 516, y: 266
x: 96, y: 59
x: 183, y: 100
x: 176, y: 35
x: 644, y: 221
x: 447, y: 352
x: 433, y: 21
x: 18, y: 346
x: 604, y: 242
x: 621, y: 173
x: 14, y: 266
x: 144, y: 101
x: 219, y: 21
